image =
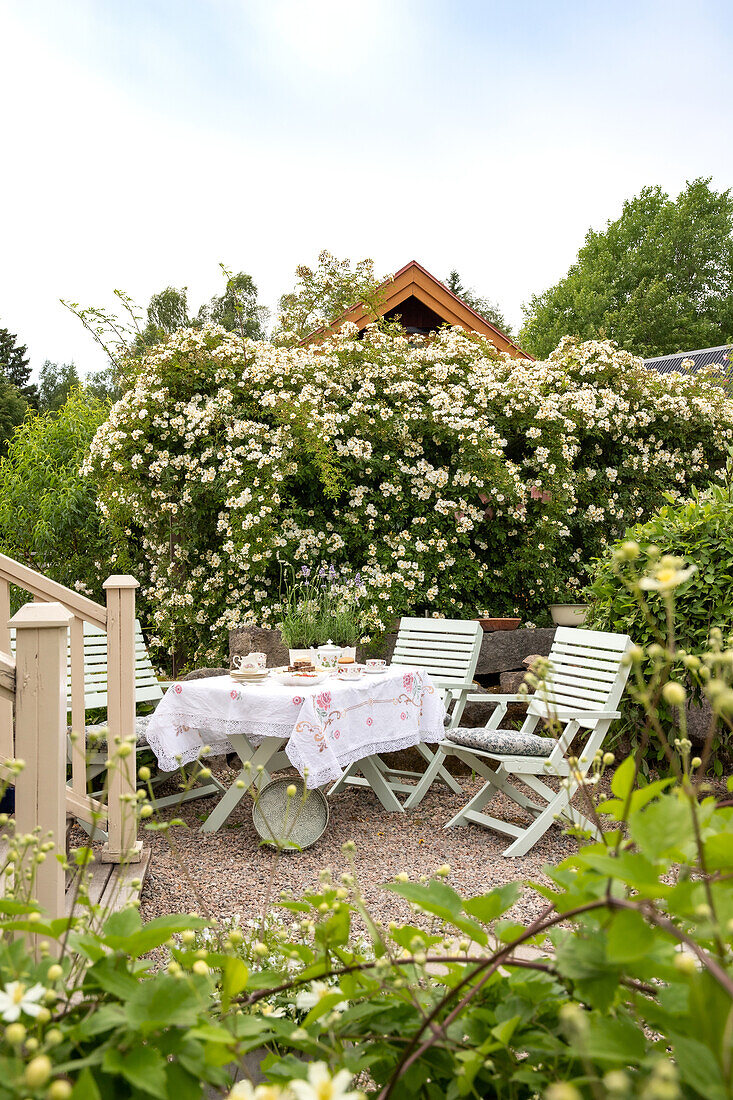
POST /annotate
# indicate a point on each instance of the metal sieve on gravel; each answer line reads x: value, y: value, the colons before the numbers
x: 287, y: 820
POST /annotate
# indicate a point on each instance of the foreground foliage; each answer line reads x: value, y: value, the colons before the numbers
x: 638, y: 989
x: 627, y: 993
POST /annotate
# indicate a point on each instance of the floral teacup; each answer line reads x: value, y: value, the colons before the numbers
x: 249, y: 660
x: 349, y: 672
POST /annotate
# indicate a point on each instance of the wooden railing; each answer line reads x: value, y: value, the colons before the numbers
x: 118, y: 620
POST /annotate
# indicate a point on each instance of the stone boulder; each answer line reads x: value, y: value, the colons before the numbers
x: 506, y: 650
x: 257, y: 639
x: 205, y: 673
x: 699, y: 719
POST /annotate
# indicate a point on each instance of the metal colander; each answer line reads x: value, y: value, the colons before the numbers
x: 290, y: 821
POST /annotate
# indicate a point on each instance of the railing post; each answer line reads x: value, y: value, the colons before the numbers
x: 122, y: 845
x: 40, y: 737
x: 6, y: 707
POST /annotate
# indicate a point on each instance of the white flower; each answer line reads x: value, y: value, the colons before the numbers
x: 309, y: 998
x: 322, y: 1086
x: 244, y: 1090
x: 667, y: 575
x: 15, y: 998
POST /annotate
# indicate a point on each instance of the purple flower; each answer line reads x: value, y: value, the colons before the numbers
x: 331, y: 573
x: 322, y: 571
x: 357, y: 580
x: 305, y: 571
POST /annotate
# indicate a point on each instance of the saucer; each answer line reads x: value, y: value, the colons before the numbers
x: 376, y: 671
x: 250, y: 676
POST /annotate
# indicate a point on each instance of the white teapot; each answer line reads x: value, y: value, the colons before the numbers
x: 328, y: 654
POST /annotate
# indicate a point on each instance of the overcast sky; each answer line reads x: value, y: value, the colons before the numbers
x: 145, y: 141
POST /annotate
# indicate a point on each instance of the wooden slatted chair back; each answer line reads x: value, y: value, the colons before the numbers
x: 446, y: 648
x: 586, y: 673
x: 147, y: 687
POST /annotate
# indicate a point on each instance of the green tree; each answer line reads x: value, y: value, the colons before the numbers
x: 657, y: 280
x: 13, y: 408
x: 48, y: 509
x: 322, y: 293
x: 237, y: 309
x: 55, y: 384
x: 484, y: 306
x: 15, y: 365
x: 166, y: 312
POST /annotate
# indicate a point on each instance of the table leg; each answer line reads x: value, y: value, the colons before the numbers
x: 263, y: 754
x: 379, y: 785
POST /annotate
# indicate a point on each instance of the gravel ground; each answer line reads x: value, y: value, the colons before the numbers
x: 229, y: 874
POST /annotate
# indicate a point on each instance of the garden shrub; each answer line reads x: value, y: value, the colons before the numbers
x: 49, y: 518
x: 452, y: 477
x: 698, y: 530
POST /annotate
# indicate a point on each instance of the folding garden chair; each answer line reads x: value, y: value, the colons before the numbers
x: 448, y: 649
x: 584, y: 684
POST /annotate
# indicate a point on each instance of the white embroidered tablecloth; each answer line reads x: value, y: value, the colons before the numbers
x: 328, y: 726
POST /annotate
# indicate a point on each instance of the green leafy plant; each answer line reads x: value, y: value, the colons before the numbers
x: 699, y: 530
x: 49, y: 518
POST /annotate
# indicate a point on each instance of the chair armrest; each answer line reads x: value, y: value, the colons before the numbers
x: 453, y: 687
x: 569, y: 715
x: 498, y: 698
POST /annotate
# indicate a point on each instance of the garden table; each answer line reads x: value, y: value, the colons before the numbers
x: 322, y: 728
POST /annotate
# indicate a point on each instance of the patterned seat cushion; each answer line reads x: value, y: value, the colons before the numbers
x: 506, y: 742
x: 97, y: 735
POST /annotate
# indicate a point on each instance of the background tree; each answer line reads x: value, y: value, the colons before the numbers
x: 166, y: 312
x: 48, y: 511
x: 15, y: 365
x: 55, y: 383
x: 322, y: 293
x: 237, y: 309
x: 484, y: 306
x: 657, y: 280
x: 13, y: 408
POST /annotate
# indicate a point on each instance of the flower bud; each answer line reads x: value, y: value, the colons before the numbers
x: 37, y: 1072
x: 674, y: 694
x: 15, y: 1034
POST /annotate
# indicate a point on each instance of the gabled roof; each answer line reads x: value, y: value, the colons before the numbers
x: 721, y: 356
x: 414, y: 281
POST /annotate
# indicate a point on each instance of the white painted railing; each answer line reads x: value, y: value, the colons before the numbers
x: 39, y: 669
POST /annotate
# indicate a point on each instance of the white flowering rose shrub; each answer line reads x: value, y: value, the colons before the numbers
x: 454, y: 478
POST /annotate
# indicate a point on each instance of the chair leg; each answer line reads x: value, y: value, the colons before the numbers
x: 443, y: 772
x: 427, y: 780
x: 539, y: 826
x: 489, y: 791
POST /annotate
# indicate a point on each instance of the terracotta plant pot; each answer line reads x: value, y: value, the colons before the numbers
x: 490, y: 625
x: 568, y: 614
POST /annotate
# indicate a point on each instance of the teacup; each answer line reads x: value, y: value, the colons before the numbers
x: 376, y: 663
x: 249, y: 660
x: 349, y: 672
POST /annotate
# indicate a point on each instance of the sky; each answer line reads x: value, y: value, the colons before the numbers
x: 145, y: 142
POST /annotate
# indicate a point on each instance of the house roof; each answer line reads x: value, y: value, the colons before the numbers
x: 705, y: 357
x: 415, y: 281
